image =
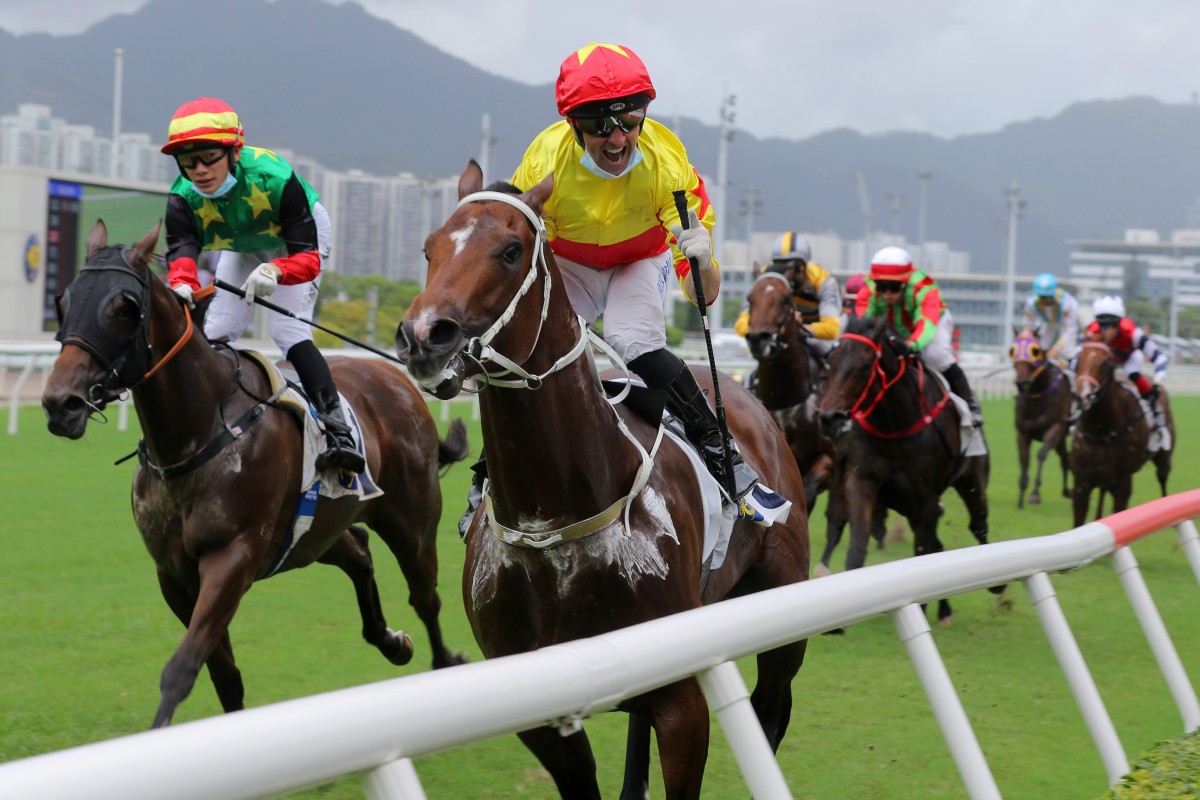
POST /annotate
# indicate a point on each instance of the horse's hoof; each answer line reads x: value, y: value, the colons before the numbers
x: 820, y: 570
x: 1035, y: 500
x: 835, y: 632
x: 945, y: 621
x: 397, y: 647
x: 999, y: 590
x: 451, y: 660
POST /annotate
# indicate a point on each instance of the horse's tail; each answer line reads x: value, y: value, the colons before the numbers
x: 454, y: 447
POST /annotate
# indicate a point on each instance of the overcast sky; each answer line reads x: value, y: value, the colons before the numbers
x: 800, y: 67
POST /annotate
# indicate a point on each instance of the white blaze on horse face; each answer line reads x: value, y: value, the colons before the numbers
x: 461, y: 236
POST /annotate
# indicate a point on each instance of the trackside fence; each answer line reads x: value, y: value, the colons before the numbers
x: 376, y: 730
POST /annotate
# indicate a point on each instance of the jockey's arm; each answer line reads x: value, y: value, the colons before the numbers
x: 829, y: 305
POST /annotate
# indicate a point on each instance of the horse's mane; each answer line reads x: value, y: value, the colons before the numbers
x: 865, y: 326
x: 502, y: 186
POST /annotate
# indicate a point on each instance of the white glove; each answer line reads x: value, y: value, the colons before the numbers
x: 184, y: 293
x: 695, y: 243
x: 262, y: 282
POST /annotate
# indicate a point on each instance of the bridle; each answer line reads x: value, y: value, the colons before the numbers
x: 877, y: 374
x: 479, y: 350
x: 777, y: 338
x: 127, y: 361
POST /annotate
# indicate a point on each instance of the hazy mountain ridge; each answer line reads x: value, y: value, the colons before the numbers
x: 352, y: 91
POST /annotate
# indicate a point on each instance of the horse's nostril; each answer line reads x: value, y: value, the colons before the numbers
x: 445, y: 333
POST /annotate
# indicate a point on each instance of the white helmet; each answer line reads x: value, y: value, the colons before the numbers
x: 1110, y: 305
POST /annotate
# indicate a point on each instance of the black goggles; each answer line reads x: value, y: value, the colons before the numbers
x: 889, y: 286
x: 205, y: 157
x: 604, y: 126
x: 1108, y: 323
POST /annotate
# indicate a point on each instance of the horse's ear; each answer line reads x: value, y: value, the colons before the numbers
x: 756, y: 270
x: 471, y: 180
x: 1017, y: 331
x: 145, y: 246
x: 536, y: 197
x: 97, y: 238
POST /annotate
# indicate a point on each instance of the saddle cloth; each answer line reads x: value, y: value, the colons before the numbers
x: 971, y: 441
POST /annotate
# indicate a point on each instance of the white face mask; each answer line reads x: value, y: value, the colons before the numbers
x: 590, y: 164
x: 221, y: 190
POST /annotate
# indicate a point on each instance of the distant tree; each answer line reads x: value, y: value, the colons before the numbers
x: 344, y: 305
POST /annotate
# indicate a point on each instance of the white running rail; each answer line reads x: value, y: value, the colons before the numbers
x: 378, y: 729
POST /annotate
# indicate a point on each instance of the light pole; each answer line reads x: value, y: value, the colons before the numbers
x: 721, y: 212
x: 750, y: 203
x: 895, y: 203
x: 485, y: 148
x: 116, y: 129
x: 923, y: 178
x: 1012, y: 193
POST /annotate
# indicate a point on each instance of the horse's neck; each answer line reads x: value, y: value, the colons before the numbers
x: 784, y: 381
x: 1111, y: 413
x: 556, y: 452
x: 177, y: 405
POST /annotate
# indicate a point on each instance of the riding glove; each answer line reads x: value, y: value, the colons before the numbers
x: 262, y: 282
x: 184, y: 293
x: 900, y: 347
x: 695, y: 243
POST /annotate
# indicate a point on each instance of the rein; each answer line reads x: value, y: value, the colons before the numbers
x: 479, y: 350
x: 859, y: 415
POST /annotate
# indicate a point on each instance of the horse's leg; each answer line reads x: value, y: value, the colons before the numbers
x: 414, y: 544
x: 225, y: 575
x: 861, y: 513
x: 680, y: 718
x: 222, y: 670
x: 835, y: 524
x: 1043, y: 452
x: 568, y: 759
x: 1122, y: 490
x: 1080, y: 499
x: 351, y: 554
x: 1162, y: 466
x: 817, y: 479
x: 772, y: 695
x: 924, y: 524
x: 1064, y: 460
x: 1023, y: 460
x: 636, y: 785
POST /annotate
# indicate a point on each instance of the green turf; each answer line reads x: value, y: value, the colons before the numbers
x: 84, y: 635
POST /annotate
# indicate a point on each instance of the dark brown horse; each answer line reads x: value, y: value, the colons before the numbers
x: 1111, y: 440
x: 217, y: 518
x: 569, y: 469
x: 902, y: 440
x: 1043, y: 405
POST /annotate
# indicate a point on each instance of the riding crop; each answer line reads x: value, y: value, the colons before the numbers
x: 229, y: 287
x: 681, y: 206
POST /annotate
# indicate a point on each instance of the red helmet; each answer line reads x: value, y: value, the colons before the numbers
x: 203, y: 122
x: 891, y: 264
x: 599, y: 73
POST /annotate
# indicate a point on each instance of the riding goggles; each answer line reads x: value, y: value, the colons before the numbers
x: 604, y: 127
x: 195, y: 158
x: 889, y: 286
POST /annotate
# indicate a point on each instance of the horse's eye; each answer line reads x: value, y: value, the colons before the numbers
x: 425, y: 253
x: 512, y: 253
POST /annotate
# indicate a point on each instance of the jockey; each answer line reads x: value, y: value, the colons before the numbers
x: 815, y: 295
x: 272, y: 236
x: 854, y: 285
x: 1052, y: 313
x: 914, y: 308
x: 1132, y: 348
x: 614, y: 173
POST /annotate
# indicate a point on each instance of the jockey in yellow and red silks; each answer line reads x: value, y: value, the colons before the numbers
x: 615, y: 231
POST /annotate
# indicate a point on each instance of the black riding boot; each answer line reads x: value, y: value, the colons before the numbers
x: 958, y: 385
x: 318, y: 383
x: 474, y: 495
x: 688, y: 404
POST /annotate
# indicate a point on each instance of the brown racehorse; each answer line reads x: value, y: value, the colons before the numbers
x: 568, y: 468
x: 902, y: 440
x: 217, y: 518
x: 1043, y: 405
x: 1111, y: 440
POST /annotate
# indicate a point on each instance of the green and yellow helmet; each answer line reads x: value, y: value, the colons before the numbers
x: 203, y: 122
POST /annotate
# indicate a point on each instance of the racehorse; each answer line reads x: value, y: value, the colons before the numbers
x: 214, y: 498
x: 903, y: 443
x: 585, y: 528
x: 785, y: 381
x: 787, y: 387
x: 1043, y: 406
x: 1111, y: 439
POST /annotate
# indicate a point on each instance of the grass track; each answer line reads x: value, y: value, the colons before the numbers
x: 84, y: 635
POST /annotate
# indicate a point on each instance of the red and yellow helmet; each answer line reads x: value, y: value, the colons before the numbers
x: 203, y: 122
x: 598, y: 73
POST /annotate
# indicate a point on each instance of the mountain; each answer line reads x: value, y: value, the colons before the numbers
x: 352, y: 91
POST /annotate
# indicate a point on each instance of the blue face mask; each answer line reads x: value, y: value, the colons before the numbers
x: 222, y: 190
x: 590, y: 164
